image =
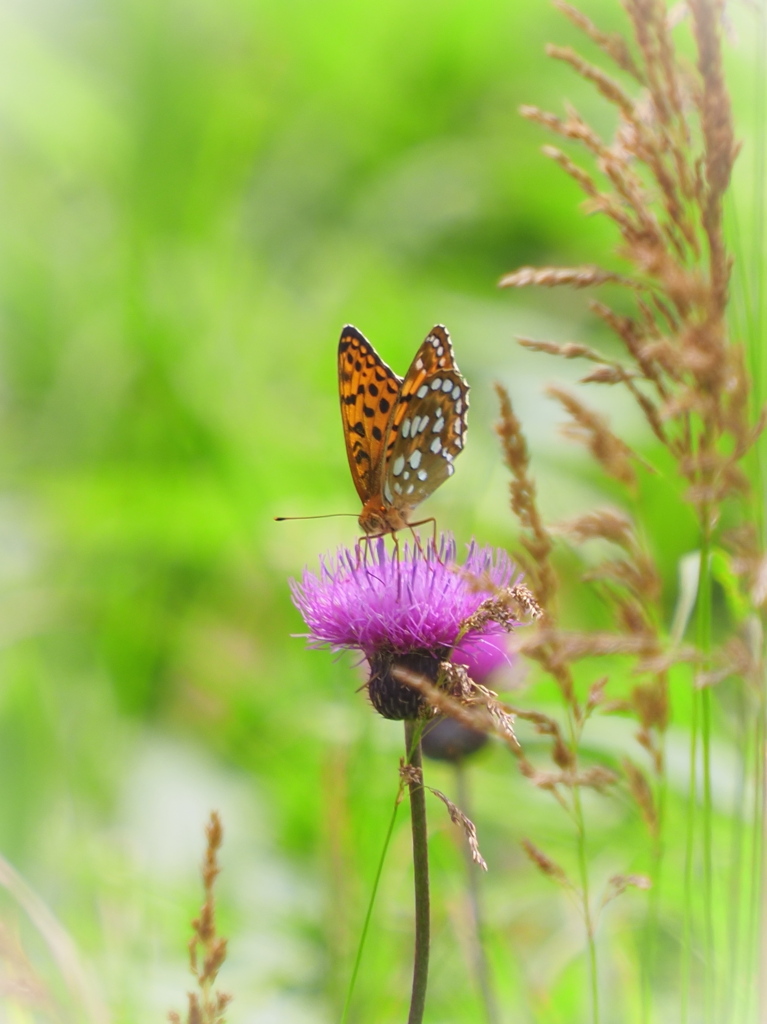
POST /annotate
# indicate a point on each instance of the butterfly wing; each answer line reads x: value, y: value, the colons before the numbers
x: 369, y: 390
x: 428, y: 425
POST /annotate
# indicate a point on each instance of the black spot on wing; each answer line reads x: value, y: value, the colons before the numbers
x: 364, y: 381
x: 348, y: 333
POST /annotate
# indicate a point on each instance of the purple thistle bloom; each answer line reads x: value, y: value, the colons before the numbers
x: 419, y: 601
x: 482, y: 654
x: 413, y: 606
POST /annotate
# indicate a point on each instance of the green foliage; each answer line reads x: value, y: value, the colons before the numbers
x: 194, y: 199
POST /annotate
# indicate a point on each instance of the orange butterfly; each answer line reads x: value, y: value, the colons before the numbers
x: 401, y: 434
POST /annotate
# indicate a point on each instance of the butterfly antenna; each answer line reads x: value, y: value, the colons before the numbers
x: 329, y: 515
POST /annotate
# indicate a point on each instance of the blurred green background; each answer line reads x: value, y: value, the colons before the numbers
x: 194, y: 198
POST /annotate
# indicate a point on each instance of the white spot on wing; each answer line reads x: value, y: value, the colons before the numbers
x: 397, y: 467
x: 448, y: 386
x: 423, y: 391
x: 423, y: 424
x: 405, y: 428
x: 456, y: 392
x: 438, y: 426
x: 458, y: 407
x: 415, y: 460
x: 435, y: 446
x: 436, y: 384
x: 423, y: 474
x: 388, y: 496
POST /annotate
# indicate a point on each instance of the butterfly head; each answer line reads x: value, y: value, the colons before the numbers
x: 377, y: 519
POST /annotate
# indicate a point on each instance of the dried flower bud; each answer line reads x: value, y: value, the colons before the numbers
x: 445, y: 739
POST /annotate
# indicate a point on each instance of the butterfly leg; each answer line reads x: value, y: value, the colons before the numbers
x: 364, y: 542
x: 417, y: 539
x: 361, y: 549
x: 397, y: 560
x: 396, y: 546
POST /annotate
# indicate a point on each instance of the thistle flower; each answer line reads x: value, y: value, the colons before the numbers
x: 483, y: 656
x: 401, y: 611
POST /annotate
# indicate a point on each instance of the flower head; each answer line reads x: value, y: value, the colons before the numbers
x: 404, y: 608
x: 483, y: 654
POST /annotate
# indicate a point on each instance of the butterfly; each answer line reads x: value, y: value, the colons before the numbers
x: 402, y: 434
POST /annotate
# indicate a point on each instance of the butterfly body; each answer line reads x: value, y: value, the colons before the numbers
x: 402, y: 433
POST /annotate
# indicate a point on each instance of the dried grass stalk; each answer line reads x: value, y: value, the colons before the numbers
x: 661, y: 180
x: 536, y: 540
x: 554, y: 277
x: 207, y: 949
x: 466, y: 824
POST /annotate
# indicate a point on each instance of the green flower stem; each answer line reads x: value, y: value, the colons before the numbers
x: 689, y: 858
x: 481, y: 966
x: 369, y: 912
x: 704, y: 614
x: 420, y: 874
x: 583, y: 868
x: 757, y: 940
